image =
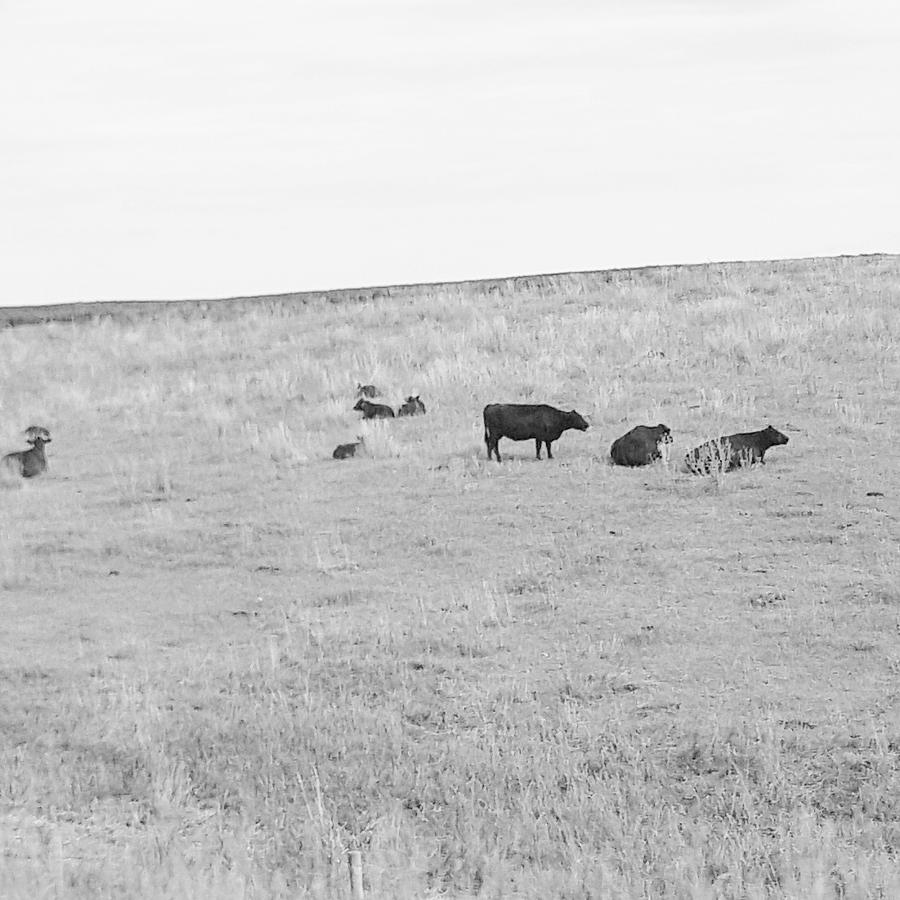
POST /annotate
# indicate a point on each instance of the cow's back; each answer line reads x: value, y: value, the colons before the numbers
x: 518, y: 421
x: 640, y: 446
x: 626, y: 449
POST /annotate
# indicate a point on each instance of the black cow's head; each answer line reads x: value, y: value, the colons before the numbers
x: 577, y: 421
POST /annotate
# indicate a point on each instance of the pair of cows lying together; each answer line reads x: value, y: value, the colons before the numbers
x: 639, y: 447
x: 28, y: 463
x: 412, y: 406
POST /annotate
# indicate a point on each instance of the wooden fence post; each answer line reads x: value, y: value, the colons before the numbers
x: 354, y: 857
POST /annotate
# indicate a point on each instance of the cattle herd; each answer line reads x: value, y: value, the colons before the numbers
x: 639, y: 447
x: 517, y: 421
x: 545, y: 424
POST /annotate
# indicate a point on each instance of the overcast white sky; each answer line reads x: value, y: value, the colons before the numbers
x: 211, y: 148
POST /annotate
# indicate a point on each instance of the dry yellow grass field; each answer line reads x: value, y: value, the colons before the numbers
x: 228, y: 659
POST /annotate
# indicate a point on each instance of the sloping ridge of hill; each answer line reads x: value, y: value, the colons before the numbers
x: 11, y: 316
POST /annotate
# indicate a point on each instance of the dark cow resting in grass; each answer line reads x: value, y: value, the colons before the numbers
x: 374, y: 410
x: 733, y: 450
x: 527, y: 421
x: 27, y: 463
x: 345, y: 451
x: 640, y: 446
x: 413, y: 406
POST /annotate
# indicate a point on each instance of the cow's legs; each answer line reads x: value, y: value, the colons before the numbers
x: 537, y: 447
x: 549, y: 454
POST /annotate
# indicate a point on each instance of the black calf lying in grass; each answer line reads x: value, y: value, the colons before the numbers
x: 374, y: 410
x: 640, y: 446
x: 733, y: 450
x: 413, y: 406
x: 27, y: 463
x: 345, y: 451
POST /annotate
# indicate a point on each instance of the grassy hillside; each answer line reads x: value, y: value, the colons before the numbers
x: 227, y: 658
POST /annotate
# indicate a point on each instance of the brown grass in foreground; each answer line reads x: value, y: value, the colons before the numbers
x: 227, y: 658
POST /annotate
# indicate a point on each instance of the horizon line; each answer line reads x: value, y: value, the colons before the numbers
x: 439, y: 283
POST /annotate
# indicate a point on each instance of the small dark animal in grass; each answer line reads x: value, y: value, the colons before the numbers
x: 27, y: 463
x: 374, y: 410
x: 640, y: 446
x: 527, y: 421
x: 367, y: 390
x: 733, y: 450
x: 33, y: 431
x: 412, y: 406
x: 345, y: 451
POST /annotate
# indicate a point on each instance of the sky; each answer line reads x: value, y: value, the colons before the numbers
x: 171, y: 149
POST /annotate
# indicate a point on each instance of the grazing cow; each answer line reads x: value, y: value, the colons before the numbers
x: 413, y: 406
x: 733, y: 450
x: 640, y: 446
x: 526, y: 421
x: 27, y: 463
x: 367, y: 390
x: 345, y: 451
x: 374, y: 410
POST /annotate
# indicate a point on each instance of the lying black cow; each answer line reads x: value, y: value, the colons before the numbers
x: 374, y: 410
x: 527, y: 421
x: 345, y: 451
x: 640, y: 446
x: 27, y: 463
x: 413, y: 406
x: 733, y: 450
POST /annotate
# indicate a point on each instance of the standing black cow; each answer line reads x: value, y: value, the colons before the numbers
x: 640, y: 446
x: 733, y: 450
x: 374, y: 410
x: 412, y: 406
x: 526, y: 421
